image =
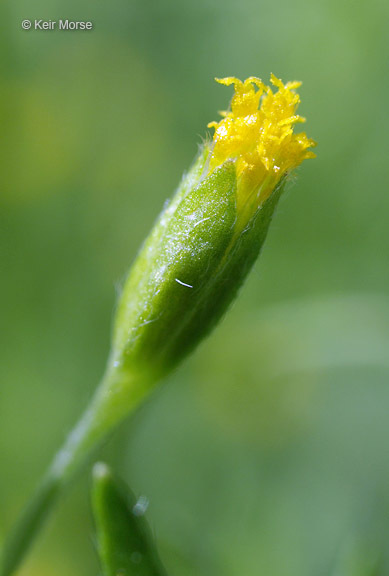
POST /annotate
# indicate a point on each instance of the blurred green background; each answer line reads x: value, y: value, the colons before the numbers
x: 267, y: 452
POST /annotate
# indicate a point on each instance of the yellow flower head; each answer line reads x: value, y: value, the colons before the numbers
x: 258, y: 133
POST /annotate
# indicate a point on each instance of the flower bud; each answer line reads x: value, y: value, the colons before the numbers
x: 208, y: 237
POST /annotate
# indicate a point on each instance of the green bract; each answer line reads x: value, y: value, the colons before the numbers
x: 188, y: 271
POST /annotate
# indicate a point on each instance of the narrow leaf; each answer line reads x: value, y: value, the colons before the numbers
x: 125, y: 544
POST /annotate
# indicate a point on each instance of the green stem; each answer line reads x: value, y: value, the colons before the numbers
x: 106, y: 410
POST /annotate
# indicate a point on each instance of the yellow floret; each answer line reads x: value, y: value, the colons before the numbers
x: 258, y: 133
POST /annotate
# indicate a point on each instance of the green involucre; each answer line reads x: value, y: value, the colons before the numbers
x: 189, y: 269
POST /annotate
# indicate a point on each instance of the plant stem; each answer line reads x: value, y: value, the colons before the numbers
x: 106, y: 410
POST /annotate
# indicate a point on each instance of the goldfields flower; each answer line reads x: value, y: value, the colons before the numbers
x: 207, y: 239
x: 187, y: 272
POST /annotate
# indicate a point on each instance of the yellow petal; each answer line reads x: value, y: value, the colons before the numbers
x: 258, y: 133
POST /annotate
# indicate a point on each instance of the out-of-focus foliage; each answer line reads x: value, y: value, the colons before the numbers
x: 267, y: 452
x: 124, y: 542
